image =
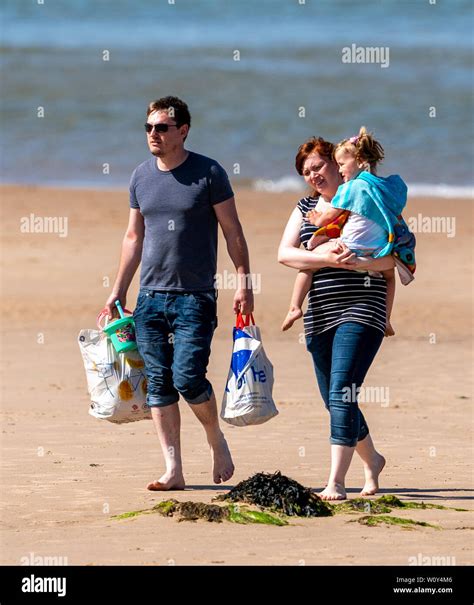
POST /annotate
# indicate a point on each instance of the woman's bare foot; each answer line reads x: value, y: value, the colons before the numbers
x: 222, y: 465
x: 333, y: 491
x: 372, y: 472
x: 293, y: 314
x: 167, y: 482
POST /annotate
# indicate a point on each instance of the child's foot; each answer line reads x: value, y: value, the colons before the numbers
x: 333, y: 491
x: 389, y: 331
x: 312, y: 242
x: 372, y: 472
x: 293, y: 314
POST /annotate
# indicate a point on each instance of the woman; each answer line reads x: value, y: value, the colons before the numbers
x: 344, y: 322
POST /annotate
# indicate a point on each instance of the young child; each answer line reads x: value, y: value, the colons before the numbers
x: 374, y: 204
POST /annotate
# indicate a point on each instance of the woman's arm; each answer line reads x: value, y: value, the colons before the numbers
x: 290, y: 254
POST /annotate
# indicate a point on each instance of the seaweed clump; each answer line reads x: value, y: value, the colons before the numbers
x: 362, y: 505
x: 280, y: 494
x: 372, y: 520
x: 395, y: 502
x: 192, y: 511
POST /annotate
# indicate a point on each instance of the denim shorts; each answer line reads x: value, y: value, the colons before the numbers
x: 174, y: 331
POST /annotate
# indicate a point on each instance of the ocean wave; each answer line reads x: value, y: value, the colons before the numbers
x: 285, y: 183
x: 440, y: 190
x: 293, y: 183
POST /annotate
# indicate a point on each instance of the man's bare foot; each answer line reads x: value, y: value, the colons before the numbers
x: 222, y: 465
x: 389, y: 331
x: 293, y: 314
x: 167, y: 482
x: 333, y: 491
x: 372, y: 473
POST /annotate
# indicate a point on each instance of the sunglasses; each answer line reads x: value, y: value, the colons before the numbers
x: 158, y: 127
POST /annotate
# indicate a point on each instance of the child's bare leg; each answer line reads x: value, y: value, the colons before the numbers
x: 316, y: 240
x: 389, y: 276
x: 301, y: 288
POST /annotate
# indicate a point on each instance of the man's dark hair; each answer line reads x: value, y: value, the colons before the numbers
x: 176, y: 108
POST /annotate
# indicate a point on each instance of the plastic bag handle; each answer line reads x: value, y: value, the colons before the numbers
x: 104, y: 313
x: 243, y: 323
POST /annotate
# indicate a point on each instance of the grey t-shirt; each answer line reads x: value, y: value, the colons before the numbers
x: 180, y: 244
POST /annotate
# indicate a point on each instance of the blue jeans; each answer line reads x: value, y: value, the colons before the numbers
x: 174, y: 333
x: 341, y: 357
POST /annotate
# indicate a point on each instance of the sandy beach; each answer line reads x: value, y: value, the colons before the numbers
x: 64, y: 473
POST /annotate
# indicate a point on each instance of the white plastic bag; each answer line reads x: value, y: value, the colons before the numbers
x: 116, y: 381
x: 248, y: 394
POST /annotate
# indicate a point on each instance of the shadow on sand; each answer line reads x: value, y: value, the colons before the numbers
x: 426, y: 494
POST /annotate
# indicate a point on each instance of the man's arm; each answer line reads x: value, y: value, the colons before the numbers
x: 226, y: 214
x: 130, y: 259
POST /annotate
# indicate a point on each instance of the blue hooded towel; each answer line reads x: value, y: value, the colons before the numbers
x: 380, y: 199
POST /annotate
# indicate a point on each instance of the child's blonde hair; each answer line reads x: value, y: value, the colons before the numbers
x: 365, y: 148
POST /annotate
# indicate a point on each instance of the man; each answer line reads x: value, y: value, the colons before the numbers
x: 177, y: 198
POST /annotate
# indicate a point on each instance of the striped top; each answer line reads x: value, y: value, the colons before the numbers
x: 338, y: 295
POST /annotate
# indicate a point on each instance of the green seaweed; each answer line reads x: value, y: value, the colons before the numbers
x: 132, y: 513
x: 166, y: 508
x: 192, y: 511
x: 361, y: 505
x: 262, y: 517
x: 236, y: 516
x: 374, y: 520
x: 244, y: 515
x: 285, y: 497
x: 395, y: 502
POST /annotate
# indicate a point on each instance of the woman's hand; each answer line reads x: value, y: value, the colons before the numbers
x: 340, y: 256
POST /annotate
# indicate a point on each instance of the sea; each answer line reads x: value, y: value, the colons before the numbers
x: 259, y: 76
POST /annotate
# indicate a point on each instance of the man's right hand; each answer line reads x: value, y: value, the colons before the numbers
x: 110, y: 307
